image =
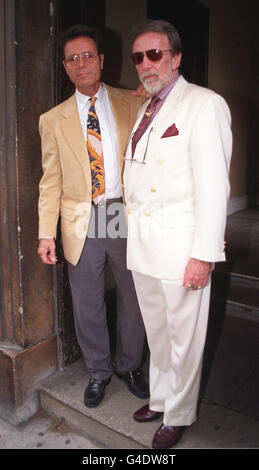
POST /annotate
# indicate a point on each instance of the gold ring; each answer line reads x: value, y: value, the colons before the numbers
x: 189, y: 286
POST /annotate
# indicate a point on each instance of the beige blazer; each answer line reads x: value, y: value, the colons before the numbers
x: 66, y: 187
x: 177, y: 200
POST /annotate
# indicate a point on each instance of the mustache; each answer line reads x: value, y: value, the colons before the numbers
x: 146, y: 74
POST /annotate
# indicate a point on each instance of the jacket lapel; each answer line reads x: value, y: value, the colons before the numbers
x: 121, y: 114
x: 72, y: 131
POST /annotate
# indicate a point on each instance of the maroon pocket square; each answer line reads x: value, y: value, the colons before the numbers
x: 171, y: 131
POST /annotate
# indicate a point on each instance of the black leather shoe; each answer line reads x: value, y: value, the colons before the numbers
x: 136, y: 383
x: 94, y: 392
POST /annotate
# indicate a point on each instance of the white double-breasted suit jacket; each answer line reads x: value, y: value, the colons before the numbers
x: 176, y: 201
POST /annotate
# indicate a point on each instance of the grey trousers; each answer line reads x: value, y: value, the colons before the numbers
x: 87, y: 286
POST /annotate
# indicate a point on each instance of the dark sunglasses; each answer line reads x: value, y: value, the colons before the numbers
x: 152, y: 54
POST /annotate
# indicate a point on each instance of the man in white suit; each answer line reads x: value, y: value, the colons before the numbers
x: 176, y: 190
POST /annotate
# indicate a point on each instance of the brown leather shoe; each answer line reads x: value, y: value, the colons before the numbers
x: 144, y: 414
x: 167, y: 436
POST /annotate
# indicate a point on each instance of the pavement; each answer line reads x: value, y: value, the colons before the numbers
x: 43, y: 432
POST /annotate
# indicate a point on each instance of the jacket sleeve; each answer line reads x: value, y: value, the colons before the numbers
x: 50, y: 187
x: 211, y: 147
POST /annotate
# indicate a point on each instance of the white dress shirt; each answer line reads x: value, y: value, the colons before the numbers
x: 109, y: 137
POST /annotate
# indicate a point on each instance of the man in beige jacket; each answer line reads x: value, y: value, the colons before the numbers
x: 88, y: 225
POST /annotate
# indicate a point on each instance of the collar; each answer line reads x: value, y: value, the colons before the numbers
x: 82, y: 99
x: 162, y: 94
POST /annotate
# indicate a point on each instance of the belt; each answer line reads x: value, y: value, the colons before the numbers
x: 108, y: 202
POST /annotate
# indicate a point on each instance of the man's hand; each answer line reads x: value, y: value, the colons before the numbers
x: 196, y: 274
x: 141, y: 91
x: 46, y: 251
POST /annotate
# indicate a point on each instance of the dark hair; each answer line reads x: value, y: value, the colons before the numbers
x: 159, y: 26
x: 78, y: 30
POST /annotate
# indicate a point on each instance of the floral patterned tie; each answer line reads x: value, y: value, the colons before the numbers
x: 95, y: 151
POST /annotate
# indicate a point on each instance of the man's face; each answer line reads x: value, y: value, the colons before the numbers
x: 155, y: 75
x: 85, y: 76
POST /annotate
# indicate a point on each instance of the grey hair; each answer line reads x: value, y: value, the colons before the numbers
x: 159, y: 26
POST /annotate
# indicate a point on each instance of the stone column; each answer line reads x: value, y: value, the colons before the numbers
x: 28, y: 325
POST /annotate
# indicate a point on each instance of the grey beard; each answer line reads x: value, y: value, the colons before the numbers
x: 150, y: 87
x: 154, y: 88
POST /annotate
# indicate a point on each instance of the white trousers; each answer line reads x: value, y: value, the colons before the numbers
x: 176, y: 325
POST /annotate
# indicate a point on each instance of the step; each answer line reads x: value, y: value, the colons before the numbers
x: 238, y: 293
x: 112, y: 426
x: 111, y: 423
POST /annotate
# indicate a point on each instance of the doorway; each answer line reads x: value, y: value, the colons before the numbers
x: 191, y: 19
x: 193, y: 28
x: 68, y: 13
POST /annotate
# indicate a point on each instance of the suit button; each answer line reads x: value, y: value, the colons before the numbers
x: 153, y: 189
x: 129, y: 210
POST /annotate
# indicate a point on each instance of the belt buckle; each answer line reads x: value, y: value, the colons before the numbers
x: 102, y: 203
